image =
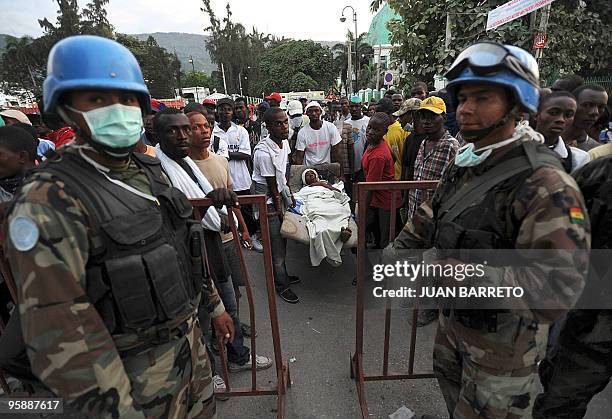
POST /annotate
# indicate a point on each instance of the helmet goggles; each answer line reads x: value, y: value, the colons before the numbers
x: 489, y: 58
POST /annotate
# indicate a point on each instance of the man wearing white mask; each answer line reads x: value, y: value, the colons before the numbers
x: 107, y: 263
x: 297, y: 121
x: 508, y: 193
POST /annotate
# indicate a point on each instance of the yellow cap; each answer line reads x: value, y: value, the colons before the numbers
x: 433, y: 104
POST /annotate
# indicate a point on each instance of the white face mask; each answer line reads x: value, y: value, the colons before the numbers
x: 467, y: 157
x: 115, y: 127
x: 295, y: 122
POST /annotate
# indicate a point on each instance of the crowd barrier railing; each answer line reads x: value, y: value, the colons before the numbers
x: 358, y: 372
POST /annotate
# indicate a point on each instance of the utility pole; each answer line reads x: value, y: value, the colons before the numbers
x: 240, y: 82
x: 224, y: 83
x: 356, y: 53
x: 378, y: 67
x: 539, y: 53
x: 447, y: 38
x: 349, y: 69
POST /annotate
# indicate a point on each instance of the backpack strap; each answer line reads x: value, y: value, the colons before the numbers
x: 532, y: 159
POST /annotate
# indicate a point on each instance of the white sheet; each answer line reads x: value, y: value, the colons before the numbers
x: 326, y: 212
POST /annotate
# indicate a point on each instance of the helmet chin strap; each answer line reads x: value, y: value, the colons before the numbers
x: 479, y: 134
x: 115, y: 153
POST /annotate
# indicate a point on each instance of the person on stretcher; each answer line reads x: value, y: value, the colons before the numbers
x: 327, y: 211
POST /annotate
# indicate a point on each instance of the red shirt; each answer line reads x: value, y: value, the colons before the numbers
x: 62, y: 136
x: 377, y: 163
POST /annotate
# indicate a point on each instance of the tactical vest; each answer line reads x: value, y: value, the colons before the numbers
x: 473, y: 216
x: 467, y: 216
x: 145, y: 268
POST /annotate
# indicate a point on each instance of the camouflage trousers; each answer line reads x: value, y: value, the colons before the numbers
x: 580, y: 365
x: 488, y: 374
x: 174, y: 380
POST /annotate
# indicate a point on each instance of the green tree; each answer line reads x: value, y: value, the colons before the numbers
x: 419, y: 35
x: 364, y: 55
x: 95, y: 19
x: 156, y: 64
x: 238, y: 51
x: 197, y: 78
x: 23, y: 63
x: 296, y: 65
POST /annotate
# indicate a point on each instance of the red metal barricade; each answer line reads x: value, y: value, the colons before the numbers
x: 283, y: 376
x: 357, y: 368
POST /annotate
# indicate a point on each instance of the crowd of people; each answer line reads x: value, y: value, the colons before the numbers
x: 112, y: 286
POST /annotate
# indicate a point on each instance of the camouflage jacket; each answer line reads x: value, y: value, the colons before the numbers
x: 536, y: 212
x: 69, y: 348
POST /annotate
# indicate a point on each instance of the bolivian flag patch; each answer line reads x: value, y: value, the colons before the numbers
x: 576, y: 215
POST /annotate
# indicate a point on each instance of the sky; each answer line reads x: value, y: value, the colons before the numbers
x: 311, y: 19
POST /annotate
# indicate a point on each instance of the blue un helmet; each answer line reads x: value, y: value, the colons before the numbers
x: 503, y: 65
x: 92, y: 62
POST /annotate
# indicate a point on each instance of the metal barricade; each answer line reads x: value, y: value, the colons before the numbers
x: 10, y: 283
x: 283, y: 376
x: 357, y: 368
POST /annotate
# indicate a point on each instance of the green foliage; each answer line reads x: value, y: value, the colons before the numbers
x: 578, y: 40
x: 23, y: 64
x: 197, y: 78
x: 239, y: 52
x: 364, y: 53
x: 157, y: 65
x: 296, y: 65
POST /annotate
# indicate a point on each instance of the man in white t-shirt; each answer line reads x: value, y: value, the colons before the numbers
x: 318, y: 142
x: 270, y: 159
x: 239, y: 147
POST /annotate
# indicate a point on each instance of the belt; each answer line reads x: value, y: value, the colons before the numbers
x: 477, y: 319
x: 143, y: 340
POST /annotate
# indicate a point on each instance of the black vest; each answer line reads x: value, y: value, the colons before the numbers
x: 482, y: 223
x: 145, y: 258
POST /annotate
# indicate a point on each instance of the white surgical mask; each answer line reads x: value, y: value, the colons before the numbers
x: 467, y: 157
x: 115, y: 126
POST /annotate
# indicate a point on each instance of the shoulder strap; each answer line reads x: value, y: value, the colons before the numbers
x: 567, y: 162
x: 533, y: 158
x: 153, y: 170
x: 480, y: 185
x: 216, y: 141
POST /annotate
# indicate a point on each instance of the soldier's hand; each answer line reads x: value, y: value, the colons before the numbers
x: 222, y: 196
x: 224, y: 328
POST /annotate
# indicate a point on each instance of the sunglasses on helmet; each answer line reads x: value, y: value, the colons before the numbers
x: 487, y: 58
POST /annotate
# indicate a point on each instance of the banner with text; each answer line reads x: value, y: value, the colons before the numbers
x: 513, y: 10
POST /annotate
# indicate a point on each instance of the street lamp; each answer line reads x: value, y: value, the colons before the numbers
x: 193, y: 71
x: 343, y: 19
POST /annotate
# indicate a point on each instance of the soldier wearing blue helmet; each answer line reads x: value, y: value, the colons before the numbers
x: 105, y: 254
x: 505, y: 191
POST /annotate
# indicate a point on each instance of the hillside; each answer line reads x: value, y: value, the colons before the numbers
x: 186, y: 45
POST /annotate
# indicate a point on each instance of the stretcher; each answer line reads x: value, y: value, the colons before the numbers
x: 294, y: 225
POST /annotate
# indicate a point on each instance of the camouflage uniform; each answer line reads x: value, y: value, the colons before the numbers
x: 69, y: 348
x: 491, y: 372
x: 580, y: 366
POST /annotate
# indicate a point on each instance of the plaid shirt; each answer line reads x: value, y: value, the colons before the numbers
x: 432, y: 161
x: 346, y: 133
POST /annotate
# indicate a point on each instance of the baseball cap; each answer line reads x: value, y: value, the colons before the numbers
x: 275, y: 96
x: 433, y: 104
x: 411, y: 104
x: 15, y: 114
x: 263, y: 106
x: 294, y: 107
x: 355, y: 99
x: 209, y: 102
